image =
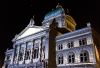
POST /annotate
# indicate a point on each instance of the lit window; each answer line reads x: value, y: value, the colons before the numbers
x: 60, y: 59
x: 84, y: 56
x: 60, y: 47
x: 70, y: 44
x: 71, y: 58
x: 82, y: 41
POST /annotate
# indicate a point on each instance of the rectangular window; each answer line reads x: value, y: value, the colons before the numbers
x: 70, y: 44
x: 60, y: 47
x: 82, y: 41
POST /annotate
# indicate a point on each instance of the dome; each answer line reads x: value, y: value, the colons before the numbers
x: 59, y: 10
x: 70, y: 18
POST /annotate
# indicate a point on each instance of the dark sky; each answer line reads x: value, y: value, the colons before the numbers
x: 17, y: 15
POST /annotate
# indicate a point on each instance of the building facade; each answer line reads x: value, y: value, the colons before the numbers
x: 74, y: 48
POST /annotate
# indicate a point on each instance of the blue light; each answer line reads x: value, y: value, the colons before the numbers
x: 53, y: 13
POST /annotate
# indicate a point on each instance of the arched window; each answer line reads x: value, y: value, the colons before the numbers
x: 60, y: 47
x: 60, y: 59
x: 84, y: 56
x: 71, y: 57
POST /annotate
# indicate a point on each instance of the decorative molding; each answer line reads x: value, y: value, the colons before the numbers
x: 73, y: 34
x: 31, y: 37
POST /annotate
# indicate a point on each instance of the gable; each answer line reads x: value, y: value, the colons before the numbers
x: 30, y: 31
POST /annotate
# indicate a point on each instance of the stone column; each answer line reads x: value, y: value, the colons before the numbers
x: 24, y: 53
x: 18, y: 53
x: 41, y: 49
x: 31, y: 51
x: 39, y: 45
x: 13, y: 56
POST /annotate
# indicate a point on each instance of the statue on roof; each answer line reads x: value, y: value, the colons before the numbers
x: 58, y: 5
x: 31, y: 24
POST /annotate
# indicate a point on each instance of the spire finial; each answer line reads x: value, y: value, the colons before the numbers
x: 33, y: 17
x: 88, y: 24
x: 58, y: 5
x: 67, y: 11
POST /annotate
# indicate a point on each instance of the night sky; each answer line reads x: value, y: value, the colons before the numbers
x: 17, y: 15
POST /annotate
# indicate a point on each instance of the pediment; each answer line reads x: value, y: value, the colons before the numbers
x: 28, y: 31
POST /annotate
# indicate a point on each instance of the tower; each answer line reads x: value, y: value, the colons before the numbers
x: 64, y: 21
x: 59, y: 23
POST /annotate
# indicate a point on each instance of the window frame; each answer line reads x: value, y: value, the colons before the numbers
x: 60, y: 59
x: 71, y: 59
x: 70, y: 44
x: 60, y: 47
x: 83, y: 41
x: 84, y: 58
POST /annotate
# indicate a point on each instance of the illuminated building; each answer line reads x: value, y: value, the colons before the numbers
x: 74, y: 48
